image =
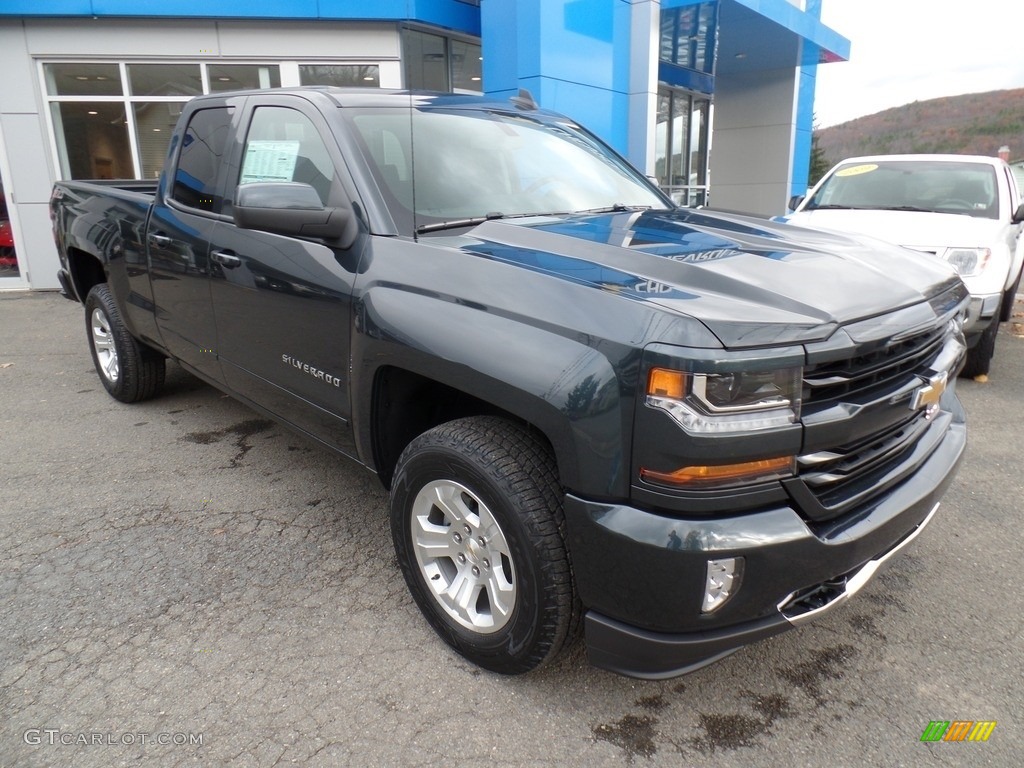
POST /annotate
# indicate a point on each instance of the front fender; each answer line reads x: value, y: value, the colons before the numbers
x: 571, y: 390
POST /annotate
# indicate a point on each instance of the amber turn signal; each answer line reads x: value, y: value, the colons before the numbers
x: 661, y: 382
x: 722, y: 474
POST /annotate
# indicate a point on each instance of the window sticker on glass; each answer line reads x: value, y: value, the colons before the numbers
x: 269, y: 161
x: 857, y: 170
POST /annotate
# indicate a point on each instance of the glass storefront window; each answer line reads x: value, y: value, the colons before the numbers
x: 426, y: 61
x: 8, y: 256
x: 233, y: 77
x: 681, y: 145
x: 154, y: 124
x: 688, y: 36
x: 83, y: 79
x: 661, y: 170
x: 165, y: 79
x: 114, y: 120
x: 699, y: 143
x: 437, y: 63
x: 342, y: 75
x: 93, y: 140
x: 466, y: 66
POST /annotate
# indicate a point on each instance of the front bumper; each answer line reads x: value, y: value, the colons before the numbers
x: 980, y: 312
x: 643, y: 591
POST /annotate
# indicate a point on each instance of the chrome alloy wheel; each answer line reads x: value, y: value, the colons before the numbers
x: 103, y: 342
x: 463, y: 556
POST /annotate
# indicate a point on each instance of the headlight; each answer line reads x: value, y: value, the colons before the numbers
x: 968, y: 262
x: 727, y: 402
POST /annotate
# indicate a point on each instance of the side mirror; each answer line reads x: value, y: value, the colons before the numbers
x: 292, y: 208
x: 1018, y: 215
x: 795, y: 201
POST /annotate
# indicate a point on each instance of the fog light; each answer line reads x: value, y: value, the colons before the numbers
x: 723, y: 581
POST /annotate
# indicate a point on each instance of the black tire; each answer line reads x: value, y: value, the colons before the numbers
x: 130, y: 371
x: 526, y: 610
x: 979, y: 357
x: 1010, y: 299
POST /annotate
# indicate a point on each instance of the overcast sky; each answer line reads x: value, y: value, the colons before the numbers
x: 914, y: 50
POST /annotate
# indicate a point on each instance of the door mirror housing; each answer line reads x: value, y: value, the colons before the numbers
x: 292, y: 208
x: 1018, y: 215
x: 795, y: 201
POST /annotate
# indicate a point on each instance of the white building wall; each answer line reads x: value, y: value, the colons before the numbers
x: 28, y: 174
x: 643, y: 82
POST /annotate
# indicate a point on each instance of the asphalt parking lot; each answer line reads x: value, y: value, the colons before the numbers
x: 185, y: 583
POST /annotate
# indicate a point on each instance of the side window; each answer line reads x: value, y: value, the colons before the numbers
x: 284, y: 145
x: 200, y: 158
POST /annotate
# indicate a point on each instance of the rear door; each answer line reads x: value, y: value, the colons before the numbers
x: 184, y: 216
x: 283, y: 304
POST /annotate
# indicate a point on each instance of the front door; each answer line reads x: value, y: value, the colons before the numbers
x: 283, y: 304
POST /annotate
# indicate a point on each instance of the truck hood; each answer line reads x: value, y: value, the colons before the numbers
x: 750, y: 281
x: 913, y: 229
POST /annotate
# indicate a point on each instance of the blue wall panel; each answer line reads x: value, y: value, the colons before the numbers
x: 572, y: 55
x: 451, y: 14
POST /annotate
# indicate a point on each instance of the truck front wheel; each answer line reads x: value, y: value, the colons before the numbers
x: 130, y: 371
x: 979, y: 357
x: 476, y: 516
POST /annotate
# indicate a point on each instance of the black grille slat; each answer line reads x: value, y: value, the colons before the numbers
x: 828, y: 382
x: 864, y: 456
x: 828, y: 479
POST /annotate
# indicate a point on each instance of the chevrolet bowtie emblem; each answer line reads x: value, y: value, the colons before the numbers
x: 928, y: 396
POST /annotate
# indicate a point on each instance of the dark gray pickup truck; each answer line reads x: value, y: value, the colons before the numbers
x: 674, y: 431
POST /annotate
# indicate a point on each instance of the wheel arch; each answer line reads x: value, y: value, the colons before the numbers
x: 86, y: 270
x: 407, y: 403
x: 421, y: 361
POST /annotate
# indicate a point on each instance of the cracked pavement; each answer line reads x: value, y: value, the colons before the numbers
x: 185, y: 567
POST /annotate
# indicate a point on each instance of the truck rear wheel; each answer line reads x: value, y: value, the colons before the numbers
x: 477, y: 522
x: 130, y: 371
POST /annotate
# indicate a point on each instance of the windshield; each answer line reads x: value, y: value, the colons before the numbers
x: 470, y: 165
x: 937, y: 186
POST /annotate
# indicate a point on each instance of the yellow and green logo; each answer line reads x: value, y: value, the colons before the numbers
x: 958, y: 730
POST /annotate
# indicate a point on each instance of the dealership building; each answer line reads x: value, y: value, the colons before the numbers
x: 713, y: 98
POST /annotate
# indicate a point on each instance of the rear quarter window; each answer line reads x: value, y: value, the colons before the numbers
x: 201, y: 158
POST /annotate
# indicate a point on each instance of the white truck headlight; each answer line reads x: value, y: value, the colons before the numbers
x: 968, y: 262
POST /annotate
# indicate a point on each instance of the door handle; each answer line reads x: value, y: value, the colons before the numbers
x: 226, y: 259
x: 160, y: 241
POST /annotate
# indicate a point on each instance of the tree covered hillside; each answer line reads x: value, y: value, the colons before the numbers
x: 971, y: 124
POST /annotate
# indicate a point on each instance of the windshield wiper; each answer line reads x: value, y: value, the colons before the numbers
x: 902, y: 208
x: 615, y: 208
x: 437, y: 226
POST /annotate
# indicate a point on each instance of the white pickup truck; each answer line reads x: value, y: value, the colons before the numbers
x: 965, y: 209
